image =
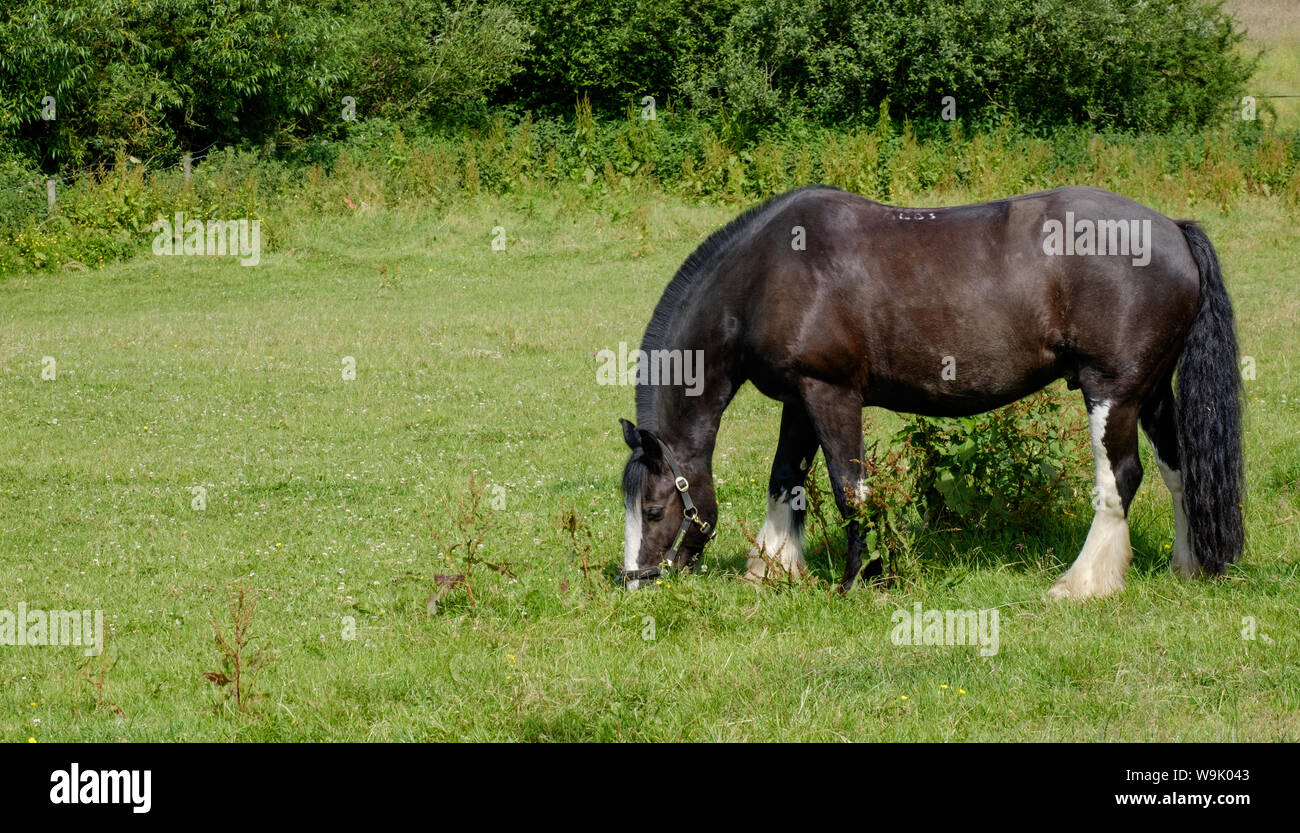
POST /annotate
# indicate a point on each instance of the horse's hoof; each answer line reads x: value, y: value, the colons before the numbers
x: 758, y: 570
x: 755, y: 570
x: 1081, y: 587
x: 1185, y: 567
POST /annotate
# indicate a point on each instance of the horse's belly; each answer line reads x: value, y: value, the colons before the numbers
x: 949, y: 398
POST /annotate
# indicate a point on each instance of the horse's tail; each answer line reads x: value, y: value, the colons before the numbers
x: 1209, y: 418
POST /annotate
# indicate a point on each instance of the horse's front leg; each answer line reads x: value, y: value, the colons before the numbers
x: 836, y: 415
x: 780, y: 541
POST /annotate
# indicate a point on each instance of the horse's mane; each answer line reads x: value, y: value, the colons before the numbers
x: 687, y: 278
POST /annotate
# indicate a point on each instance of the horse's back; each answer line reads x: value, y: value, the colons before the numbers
x: 926, y: 308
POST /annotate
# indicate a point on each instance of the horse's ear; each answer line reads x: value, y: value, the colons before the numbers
x: 649, y: 443
x: 630, y: 436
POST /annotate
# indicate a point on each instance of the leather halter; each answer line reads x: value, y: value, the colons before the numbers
x: 690, y: 515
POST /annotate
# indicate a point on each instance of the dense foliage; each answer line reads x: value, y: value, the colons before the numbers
x: 151, y: 78
x: 1018, y: 465
x: 1128, y: 64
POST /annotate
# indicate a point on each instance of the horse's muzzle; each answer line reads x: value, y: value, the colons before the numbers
x: 631, y: 579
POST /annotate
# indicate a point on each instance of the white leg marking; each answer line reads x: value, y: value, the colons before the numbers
x: 632, y: 537
x: 1183, y: 562
x: 778, y: 540
x: 1099, y: 570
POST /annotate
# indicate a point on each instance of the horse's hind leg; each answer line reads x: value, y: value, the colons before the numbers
x: 837, y: 418
x: 780, y: 541
x: 1099, y: 570
x: 1158, y: 421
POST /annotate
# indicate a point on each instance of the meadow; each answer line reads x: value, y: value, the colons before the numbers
x: 1275, y: 31
x: 333, y: 498
x: 313, y: 429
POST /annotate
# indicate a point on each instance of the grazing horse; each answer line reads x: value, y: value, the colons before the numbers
x: 829, y: 302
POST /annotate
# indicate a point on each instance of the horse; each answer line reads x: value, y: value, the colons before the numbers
x: 829, y: 302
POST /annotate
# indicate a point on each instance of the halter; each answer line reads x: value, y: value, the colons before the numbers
x: 690, y: 515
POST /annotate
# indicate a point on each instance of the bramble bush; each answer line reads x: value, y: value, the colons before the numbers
x: 613, y: 51
x: 431, y: 60
x: 1018, y: 467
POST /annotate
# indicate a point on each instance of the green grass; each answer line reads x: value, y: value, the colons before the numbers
x: 1273, y: 27
x: 179, y: 372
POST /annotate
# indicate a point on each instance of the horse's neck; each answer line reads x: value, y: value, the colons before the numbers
x: 689, y: 424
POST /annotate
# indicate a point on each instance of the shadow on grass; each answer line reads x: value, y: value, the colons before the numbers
x: 953, y: 552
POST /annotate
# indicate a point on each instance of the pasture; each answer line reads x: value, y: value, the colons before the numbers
x: 327, y: 496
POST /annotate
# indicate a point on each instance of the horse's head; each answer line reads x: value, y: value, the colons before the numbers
x: 671, y: 509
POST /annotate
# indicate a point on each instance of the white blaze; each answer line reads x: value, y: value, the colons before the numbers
x: 632, y: 535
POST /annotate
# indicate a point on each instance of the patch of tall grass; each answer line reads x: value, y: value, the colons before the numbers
x: 106, y: 213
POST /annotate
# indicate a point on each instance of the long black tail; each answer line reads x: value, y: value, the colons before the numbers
x: 1209, y: 418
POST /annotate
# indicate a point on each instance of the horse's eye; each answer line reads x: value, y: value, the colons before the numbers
x: 654, y: 513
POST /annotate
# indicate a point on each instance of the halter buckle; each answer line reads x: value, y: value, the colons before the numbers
x: 681, y: 484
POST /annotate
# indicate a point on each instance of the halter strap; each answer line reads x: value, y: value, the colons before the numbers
x: 690, y: 515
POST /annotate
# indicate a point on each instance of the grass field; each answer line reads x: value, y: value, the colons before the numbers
x: 174, y: 373
x: 328, y: 498
x: 1274, y: 30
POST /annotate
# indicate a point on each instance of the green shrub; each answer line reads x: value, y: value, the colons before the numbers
x: 1018, y: 465
x: 1021, y: 467
x: 146, y: 77
x: 1126, y: 64
x: 432, y: 58
x: 613, y: 51
x: 152, y: 78
x: 22, y: 190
